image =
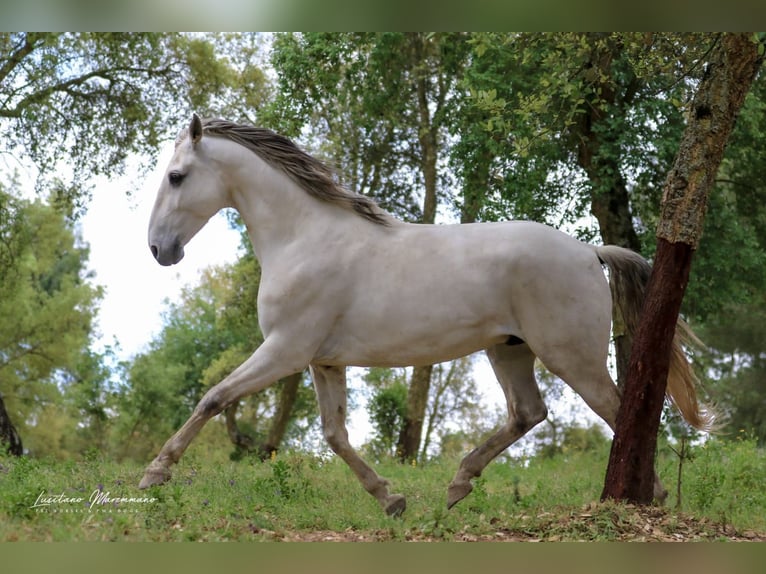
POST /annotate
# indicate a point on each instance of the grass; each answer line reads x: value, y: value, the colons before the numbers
x: 299, y: 496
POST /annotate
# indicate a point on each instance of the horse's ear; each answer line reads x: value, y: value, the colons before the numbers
x: 195, y: 129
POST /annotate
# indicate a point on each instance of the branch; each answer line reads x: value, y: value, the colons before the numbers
x: 31, y: 41
x: 109, y: 74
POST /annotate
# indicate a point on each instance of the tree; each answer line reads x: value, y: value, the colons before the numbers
x: 48, y: 306
x: 575, y: 124
x: 94, y: 101
x: 387, y: 408
x: 734, y: 62
x: 739, y: 366
x: 453, y: 401
x: 734, y: 324
x: 9, y: 436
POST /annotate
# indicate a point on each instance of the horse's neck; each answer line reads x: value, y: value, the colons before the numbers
x: 279, y: 214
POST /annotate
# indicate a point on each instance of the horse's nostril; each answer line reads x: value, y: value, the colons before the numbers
x: 155, y: 251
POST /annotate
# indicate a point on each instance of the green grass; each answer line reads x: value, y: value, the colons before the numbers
x: 300, y: 496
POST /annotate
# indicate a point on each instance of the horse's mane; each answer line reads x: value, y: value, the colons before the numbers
x: 312, y: 175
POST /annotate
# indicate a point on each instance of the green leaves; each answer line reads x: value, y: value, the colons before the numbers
x: 91, y: 102
x: 48, y: 309
x: 377, y: 104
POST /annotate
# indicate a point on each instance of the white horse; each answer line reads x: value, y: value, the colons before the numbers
x: 345, y: 283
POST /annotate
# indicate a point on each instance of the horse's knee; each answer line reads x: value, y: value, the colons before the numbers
x: 210, y: 405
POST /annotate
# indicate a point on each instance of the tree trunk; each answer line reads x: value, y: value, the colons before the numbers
x: 8, y: 434
x: 610, y: 205
x: 610, y: 202
x: 287, y: 397
x: 417, y: 395
x: 734, y: 62
x: 417, y: 400
x: 245, y: 443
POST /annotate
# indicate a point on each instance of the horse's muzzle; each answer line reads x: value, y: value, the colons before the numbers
x: 169, y: 256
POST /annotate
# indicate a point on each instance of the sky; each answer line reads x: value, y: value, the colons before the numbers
x: 136, y: 286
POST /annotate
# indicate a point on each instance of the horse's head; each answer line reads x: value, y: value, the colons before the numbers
x: 192, y: 191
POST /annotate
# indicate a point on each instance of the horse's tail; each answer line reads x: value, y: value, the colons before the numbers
x: 628, y: 275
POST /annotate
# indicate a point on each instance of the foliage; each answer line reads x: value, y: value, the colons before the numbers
x: 376, y: 104
x: 732, y: 252
x: 94, y: 102
x: 510, y: 113
x: 454, y: 403
x: 562, y: 122
x: 48, y: 305
x: 387, y: 408
x: 576, y: 438
x: 557, y: 107
x: 723, y: 478
x: 454, y: 415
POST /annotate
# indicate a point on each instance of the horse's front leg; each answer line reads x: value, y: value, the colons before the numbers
x: 265, y: 366
x: 330, y: 384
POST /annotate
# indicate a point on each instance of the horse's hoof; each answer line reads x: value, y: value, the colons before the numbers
x: 457, y: 492
x: 154, y: 477
x: 396, y: 505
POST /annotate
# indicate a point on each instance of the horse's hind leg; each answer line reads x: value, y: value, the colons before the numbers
x: 330, y: 384
x: 589, y: 377
x: 514, y: 368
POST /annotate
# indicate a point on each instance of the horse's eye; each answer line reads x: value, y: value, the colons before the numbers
x: 175, y: 178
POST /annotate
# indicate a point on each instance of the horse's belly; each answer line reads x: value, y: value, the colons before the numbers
x: 407, y: 343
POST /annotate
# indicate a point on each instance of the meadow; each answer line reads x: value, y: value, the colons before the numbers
x: 306, y: 497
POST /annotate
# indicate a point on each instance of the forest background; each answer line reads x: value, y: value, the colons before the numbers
x: 574, y: 130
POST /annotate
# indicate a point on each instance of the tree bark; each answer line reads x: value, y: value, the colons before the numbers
x: 243, y: 442
x: 734, y: 63
x: 287, y: 396
x: 8, y: 434
x: 417, y: 399
x: 417, y: 395
x: 630, y: 473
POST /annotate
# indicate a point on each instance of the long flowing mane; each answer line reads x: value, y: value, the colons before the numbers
x: 313, y: 176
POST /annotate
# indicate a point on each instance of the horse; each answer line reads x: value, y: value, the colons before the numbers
x: 344, y: 283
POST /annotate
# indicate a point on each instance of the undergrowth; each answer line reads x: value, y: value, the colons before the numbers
x: 299, y: 495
